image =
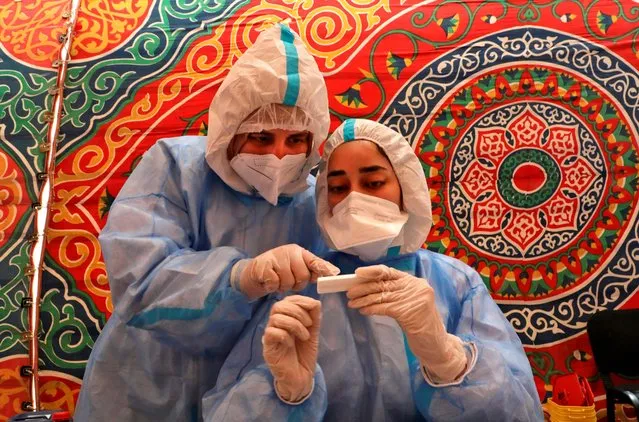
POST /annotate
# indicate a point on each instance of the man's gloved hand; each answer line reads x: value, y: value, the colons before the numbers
x: 411, y: 302
x: 287, y: 267
x: 291, y: 341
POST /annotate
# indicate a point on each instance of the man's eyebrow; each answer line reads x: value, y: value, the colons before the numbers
x: 303, y: 133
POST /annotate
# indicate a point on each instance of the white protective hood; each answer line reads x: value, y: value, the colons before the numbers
x: 415, y: 192
x: 277, y: 69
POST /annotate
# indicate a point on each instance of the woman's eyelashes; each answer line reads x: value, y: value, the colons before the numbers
x: 338, y: 188
x: 374, y: 184
x: 365, y: 185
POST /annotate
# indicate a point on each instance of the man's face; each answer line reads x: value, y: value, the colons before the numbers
x: 278, y: 142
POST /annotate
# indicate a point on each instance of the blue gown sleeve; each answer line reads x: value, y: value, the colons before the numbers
x: 253, y: 398
x: 499, y: 386
x: 158, y: 281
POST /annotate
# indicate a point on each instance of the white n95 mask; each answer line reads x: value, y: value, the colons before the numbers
x: 267, y: 173
x: 365, y: 225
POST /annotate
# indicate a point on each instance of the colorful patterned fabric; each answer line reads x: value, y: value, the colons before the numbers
x: 524, y: 114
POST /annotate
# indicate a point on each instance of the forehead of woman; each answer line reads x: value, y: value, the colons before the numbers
x: 357, y: 154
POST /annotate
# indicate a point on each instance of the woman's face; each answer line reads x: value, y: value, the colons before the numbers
x: 360, y: 166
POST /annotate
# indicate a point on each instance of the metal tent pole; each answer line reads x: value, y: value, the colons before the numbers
x: 42, y: 208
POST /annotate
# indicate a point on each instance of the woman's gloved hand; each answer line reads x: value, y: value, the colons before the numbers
x: 411, y: 302
x: 287, y: 267
x: 291, y: 341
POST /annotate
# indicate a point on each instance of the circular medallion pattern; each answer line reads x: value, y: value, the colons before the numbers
x: 530, y: 150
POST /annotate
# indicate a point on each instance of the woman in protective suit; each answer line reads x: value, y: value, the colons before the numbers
x: 419, y: 339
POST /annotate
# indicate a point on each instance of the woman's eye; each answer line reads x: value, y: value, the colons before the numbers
x: 375, y: 184
x: 336, y: 189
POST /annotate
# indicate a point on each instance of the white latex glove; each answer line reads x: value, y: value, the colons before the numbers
x: 291, y: 341
x: 411, y: 302
x: 287, y: 267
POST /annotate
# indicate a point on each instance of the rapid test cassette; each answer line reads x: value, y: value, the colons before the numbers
x: 337, y: 283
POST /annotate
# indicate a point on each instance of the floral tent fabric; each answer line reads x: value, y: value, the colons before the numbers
x: 524, y: 114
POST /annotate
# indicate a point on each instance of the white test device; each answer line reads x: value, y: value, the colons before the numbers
x: 337, y: 283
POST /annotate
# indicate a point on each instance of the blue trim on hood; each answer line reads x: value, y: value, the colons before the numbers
x: 292, y: 67
x: 349, y: 130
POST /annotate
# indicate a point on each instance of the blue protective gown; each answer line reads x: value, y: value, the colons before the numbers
x: 365, y: 371
x: 173, y: 234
